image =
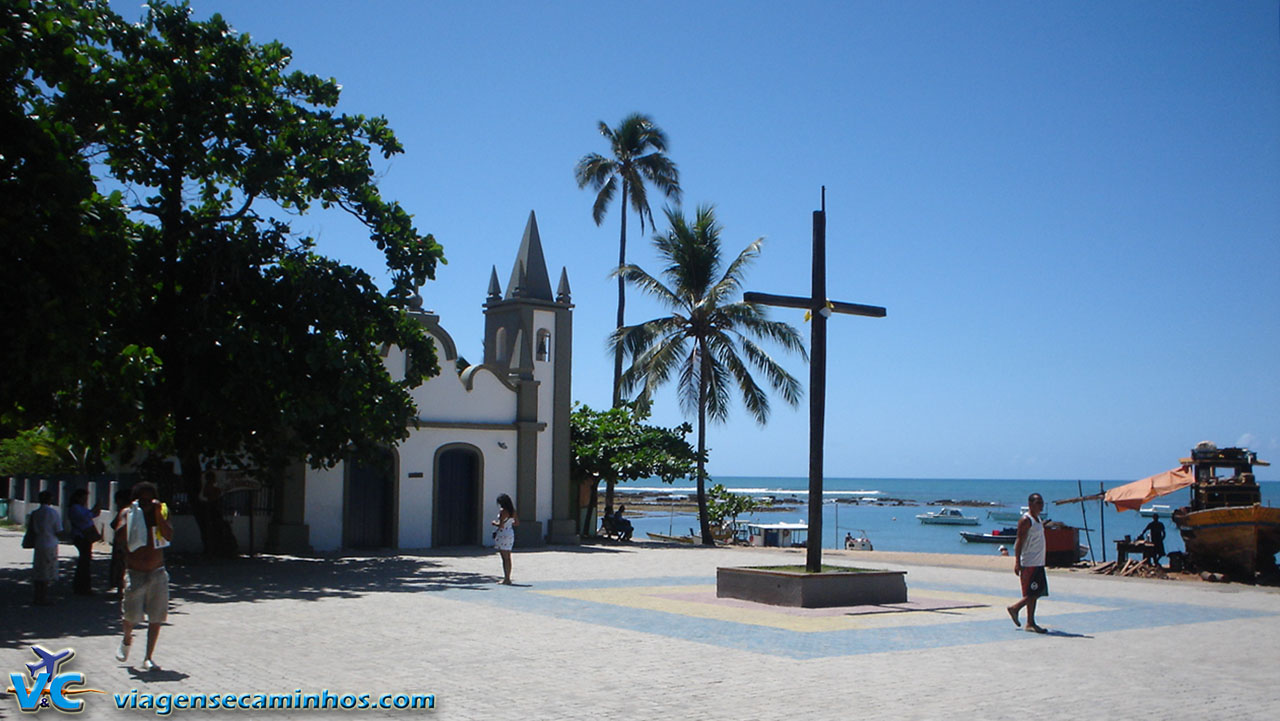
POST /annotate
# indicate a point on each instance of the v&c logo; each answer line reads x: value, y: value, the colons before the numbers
x: 49, y: 683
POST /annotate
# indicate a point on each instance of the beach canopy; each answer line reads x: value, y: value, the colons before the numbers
x: 1131, y: 496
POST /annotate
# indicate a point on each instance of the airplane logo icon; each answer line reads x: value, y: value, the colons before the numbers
x: 49, y: 662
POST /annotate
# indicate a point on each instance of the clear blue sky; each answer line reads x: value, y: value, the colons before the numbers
x: 1070, y: 209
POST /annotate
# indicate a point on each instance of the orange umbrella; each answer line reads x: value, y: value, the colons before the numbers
x: 1131, y: 496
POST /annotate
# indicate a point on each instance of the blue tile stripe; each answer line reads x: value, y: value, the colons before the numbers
x: 1118, y: 614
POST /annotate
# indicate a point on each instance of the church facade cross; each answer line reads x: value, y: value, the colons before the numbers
x: 820, y: 308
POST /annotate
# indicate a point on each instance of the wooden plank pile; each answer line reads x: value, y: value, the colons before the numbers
x: 1133, y: 567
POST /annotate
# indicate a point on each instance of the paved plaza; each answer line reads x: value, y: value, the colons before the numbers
x: 635, y: 631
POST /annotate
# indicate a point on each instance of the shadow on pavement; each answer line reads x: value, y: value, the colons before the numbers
x: 288, y: 577
x: 197, y: 580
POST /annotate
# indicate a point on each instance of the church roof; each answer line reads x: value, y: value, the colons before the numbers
x: 529, y: 277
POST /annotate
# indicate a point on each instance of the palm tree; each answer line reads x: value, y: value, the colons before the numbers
x: 639, y: 154
x: 700, y: 340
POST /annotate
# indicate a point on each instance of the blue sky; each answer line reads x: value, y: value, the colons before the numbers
x: 1070, y: 209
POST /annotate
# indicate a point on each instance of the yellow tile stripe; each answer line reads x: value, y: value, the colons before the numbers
x: 652, y: 598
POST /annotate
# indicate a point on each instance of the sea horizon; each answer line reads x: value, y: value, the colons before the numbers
x: 885, y: 508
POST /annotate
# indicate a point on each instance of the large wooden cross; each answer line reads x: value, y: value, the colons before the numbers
x: 820, y: 308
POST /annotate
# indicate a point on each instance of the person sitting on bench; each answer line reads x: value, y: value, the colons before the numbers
x: 622, y: 525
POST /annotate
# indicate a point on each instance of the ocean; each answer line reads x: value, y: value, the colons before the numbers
x: 895, y: 527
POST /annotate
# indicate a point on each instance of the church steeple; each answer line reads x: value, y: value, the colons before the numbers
x: 495, y: 290
x: 529, y: 277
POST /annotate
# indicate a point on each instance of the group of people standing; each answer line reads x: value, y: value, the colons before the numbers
x: 139, y: 532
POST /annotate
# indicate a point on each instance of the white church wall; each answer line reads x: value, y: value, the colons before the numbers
x: 417, y: 455
x: 446, y: 397
x: 324, y: 507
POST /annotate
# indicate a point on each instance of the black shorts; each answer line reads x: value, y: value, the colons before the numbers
x: 1034, y: 582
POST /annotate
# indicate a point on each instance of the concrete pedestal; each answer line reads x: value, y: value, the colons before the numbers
x: 812, y: 590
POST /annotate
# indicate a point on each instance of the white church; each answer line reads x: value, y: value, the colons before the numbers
x: 498, y: 427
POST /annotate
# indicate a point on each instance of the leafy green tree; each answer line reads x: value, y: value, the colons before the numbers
x: 708, y: 341
x: 638, y: 156
x: 64, y: 249
x: 615, y: 445
x: 231, y: 341
x: 38, y: 450
x: 724, y: 506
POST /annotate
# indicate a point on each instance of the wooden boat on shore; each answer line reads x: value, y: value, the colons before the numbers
x: 1226, y: 528
x: 674, y: 539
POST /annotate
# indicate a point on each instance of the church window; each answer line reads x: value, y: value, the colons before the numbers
x: 544, y: 344
x: 500, y: 345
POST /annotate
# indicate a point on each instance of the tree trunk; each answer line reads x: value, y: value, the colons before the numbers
x: 608, y: 496
x: 704, y: 516
x: 622, y: 305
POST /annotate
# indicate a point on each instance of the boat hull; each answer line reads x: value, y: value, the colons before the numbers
x: 988, y: 537
x: 936, y: 521
x: 1238, y: 540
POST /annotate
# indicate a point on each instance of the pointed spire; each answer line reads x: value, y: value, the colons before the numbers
x: 562, y: 290
x: 495, y: 290
x: 522, y: 280
x: 530, y: 264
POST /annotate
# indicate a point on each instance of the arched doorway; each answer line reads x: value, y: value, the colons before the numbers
x: 369, y: 519
x: 456, y: 519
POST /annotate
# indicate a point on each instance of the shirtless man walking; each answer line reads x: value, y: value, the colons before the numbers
x: 146, y: 583
x: 1028, y: 563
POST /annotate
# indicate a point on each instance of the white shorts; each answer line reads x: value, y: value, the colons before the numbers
x: 146, y: 592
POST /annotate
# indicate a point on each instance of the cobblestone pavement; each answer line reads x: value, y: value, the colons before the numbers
x: 625, y: 632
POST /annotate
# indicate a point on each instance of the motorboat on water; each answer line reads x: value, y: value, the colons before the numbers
x: 999, y: 535
x: 1157, y: 509
x: 948, y: 517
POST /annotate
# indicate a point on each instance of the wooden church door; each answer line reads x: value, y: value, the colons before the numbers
x: 457, y: 515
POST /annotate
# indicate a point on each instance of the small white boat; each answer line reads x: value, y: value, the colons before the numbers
x: 859, y: 542
x: 948, y: 517
x: 1156, y: 509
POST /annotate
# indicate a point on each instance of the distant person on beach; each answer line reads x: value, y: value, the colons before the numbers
x: 83, y: 534
x: 44, y: 523
x: 1028, y: 563
x: 622, y: 525
x: 146, y: 584
x: 505, y: 535
x: 1155, y: 532
x: 1004, y: 550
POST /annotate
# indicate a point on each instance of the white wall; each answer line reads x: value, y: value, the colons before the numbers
x: 324, y: 507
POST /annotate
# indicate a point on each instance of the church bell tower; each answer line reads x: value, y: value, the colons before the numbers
x: 529, y: 335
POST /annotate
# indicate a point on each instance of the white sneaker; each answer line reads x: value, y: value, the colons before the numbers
x: 122, y: 651
x: 149, y: 665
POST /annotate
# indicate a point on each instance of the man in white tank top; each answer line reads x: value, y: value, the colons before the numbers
x: 1028, y: 563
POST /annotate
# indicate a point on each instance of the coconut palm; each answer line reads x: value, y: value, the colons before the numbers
x: 638, y: 156
x: 708, y: 341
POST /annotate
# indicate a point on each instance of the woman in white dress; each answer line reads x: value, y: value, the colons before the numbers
x: 505, y: 536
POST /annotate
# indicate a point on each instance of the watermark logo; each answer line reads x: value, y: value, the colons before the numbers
x: 49, y: 685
